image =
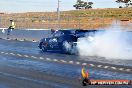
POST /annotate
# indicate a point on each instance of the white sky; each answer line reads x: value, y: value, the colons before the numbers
x: 48, y: 5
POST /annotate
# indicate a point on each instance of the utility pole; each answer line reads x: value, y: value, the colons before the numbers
x: 0, y: 22
x: 58, y: 13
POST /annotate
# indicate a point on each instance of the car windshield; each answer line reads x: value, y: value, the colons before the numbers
x: 56, y: 34
x: 68, y: 32
x: 62, y: 32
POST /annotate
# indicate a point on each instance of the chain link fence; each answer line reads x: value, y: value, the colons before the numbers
x: 67, y: 21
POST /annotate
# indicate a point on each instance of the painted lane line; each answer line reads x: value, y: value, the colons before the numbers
x: 19, y: 55
x: 71, y: 62
x: 21, y: 40
x: 26, y: 56
x: 6, y: 53
x: 106, y: 66
x: 33, y: 57
x: 77, y: 63
x: 84, y: 64
x: 63, y: 61
x: 41, y: 58
x: 34, y: 41
x: 2, y: 52
x: 92, y: 65
x: 48, y: 59
x: 12, y: 53
x: 7, y: 39
x: 121, y: 69
x: 99, y: 66
x: 55, y: 60
x: 114, y: 68
x: 128, y: 70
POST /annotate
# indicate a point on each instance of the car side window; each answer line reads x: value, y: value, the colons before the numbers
x: 58, y: 33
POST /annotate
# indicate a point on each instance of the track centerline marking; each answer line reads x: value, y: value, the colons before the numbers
x: 71, y: 62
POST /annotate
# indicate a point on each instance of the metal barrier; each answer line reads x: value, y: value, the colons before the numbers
x: 35, y: 35
x: 75, y: 19
x: 29, y: 35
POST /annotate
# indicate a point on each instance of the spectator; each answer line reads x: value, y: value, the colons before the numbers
x: 12, y: 26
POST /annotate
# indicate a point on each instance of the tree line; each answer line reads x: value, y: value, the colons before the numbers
x: 126, y: 2
x: 81, y: 4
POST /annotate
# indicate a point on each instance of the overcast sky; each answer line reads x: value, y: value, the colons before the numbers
x: 48, y: 5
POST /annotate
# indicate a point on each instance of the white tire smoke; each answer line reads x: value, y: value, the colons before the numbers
x: 109, y: 44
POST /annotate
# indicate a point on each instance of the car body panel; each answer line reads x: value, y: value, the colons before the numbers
x: 57, y: 38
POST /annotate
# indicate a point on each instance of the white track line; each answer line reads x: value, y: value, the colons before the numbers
x: 48, y: 59
x: 19, y: 55
x: 7, y: 39
x: 33, y: 57
x: 63, y: 61
x: 92, y: 65
x: 106, y: 66
x: 121, y: 69
x: 114, y: 68
x: 55, y: 60
x: 71, y: 62
x: 34, y: 41
x: 12, y: 54
x: 77, y: 63
x: 21, y: 40
x: 2, y: 52
x: 128, y: 70
x: 6, y: 53
x: 84, y: 64
x: 99, y: 66
x: 41, y: 58
x: 26, y: 56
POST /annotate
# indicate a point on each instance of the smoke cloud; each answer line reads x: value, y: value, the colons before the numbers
x: 116, y: 44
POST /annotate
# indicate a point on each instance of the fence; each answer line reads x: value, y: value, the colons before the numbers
x: 48, y: 21
x: 29, y: 35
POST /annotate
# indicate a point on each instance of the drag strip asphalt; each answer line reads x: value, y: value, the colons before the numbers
x: 97, y: 65
x: 23, y: 65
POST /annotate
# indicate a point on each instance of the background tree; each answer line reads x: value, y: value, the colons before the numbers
x: 89, y: 5
x: 83, y: 5
x: 126, y: 2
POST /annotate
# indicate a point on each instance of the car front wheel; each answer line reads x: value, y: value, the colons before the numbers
x: 44, y: 47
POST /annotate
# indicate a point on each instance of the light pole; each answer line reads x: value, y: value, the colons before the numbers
x: 58, y: 14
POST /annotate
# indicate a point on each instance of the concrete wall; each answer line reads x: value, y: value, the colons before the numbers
x: 35, y: 34
x: 30, y: 35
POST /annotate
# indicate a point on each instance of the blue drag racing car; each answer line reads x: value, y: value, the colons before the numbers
x: 63, y: 40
